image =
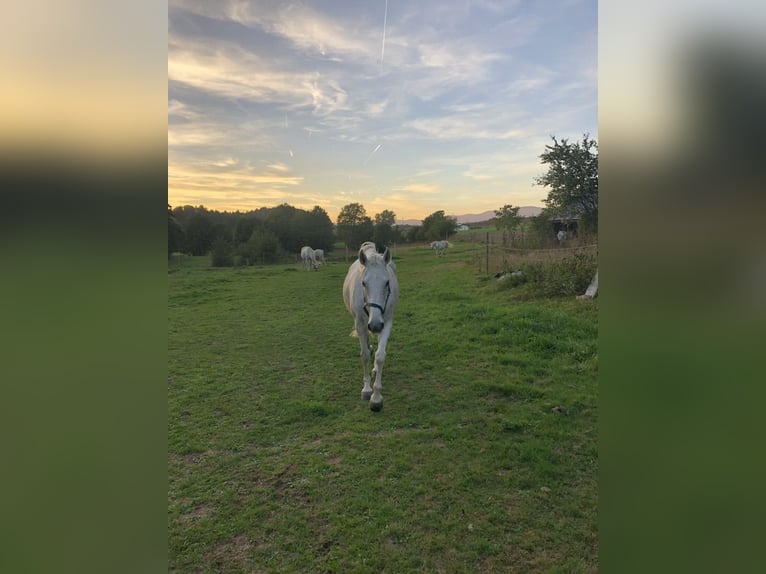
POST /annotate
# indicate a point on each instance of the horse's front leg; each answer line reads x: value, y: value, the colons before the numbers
x: 376, y: 401
x: 364, y: 355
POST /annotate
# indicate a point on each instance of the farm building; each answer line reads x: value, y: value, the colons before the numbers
x: 568, y: 224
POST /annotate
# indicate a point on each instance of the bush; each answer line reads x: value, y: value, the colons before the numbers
x: 222, y: 253
x: 568, y: 276
x: 262, y: 247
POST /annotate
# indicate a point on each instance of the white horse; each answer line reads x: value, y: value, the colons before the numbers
x: 440, y: 247
x: 319, y: 256
x: 371, y: 292
x: 307, y: 258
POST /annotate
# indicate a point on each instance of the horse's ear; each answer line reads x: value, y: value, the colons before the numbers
x: 362, y: 257
x: 387, y: 255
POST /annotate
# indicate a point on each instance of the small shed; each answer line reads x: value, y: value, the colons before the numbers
x: 567, y: 224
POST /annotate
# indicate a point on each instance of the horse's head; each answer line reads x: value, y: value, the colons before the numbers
x: 376, y: 286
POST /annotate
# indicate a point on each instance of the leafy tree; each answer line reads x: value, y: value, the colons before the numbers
x: 199, y: 234
x: 184, y: 214
x: 296, y: 227
x: 384, y: 232
x: 221, y: 253
x: 438, y: 226
x: 385, y: 217
x: 507, y: 217
x: 572, y: 177
x: 541, y: 230
x: 282, y: 221
x: 245, y: 227
x: 223, y: 231
x: 175, y: 233
x: 364, y: 232
x: 415, y: 234
x: 262, y: 247
x: 353, y: 225
x: 317, y: 229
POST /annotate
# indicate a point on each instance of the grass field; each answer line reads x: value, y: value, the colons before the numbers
x: 484, y: 458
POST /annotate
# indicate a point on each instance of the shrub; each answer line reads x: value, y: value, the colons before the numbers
x: 568, y: 276
x: 262, y: 247
x: 221, y: 253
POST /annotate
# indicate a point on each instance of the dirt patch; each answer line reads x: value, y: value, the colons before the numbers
x: 234, y: 554
x: 196, y: 514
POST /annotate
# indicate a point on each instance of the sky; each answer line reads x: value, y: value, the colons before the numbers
x: 412, y: 106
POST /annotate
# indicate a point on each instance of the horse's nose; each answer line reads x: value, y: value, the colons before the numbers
x: 375, y: 327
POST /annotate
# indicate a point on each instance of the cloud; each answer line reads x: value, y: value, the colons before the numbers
x: 502, y: 168
x: 244, y: 177
x: 227, y: 181
x: 179, y: 109
x: 197, y: 134
x: 460, y: 60
x: 376, y: 108
x: 471, y: 126
x: 306, y: 29
x: 430, y: 64
x: 529, y: 82
x: 418, y: 188
x: 312, y: 31
x: 327, y: 95
x: 228, y: 70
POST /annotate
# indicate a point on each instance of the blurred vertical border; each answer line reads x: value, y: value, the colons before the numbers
x: 83, y: 186
x: 682, y: 94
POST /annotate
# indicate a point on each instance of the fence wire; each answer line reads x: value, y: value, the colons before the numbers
x: 492, y: 258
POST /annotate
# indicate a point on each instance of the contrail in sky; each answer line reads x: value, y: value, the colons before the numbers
x: 372, y: 154
x: 383, y: 47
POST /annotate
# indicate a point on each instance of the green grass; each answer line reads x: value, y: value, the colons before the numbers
x: 277, y: 465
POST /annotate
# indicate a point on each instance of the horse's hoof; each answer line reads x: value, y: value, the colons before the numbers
x: 376, y: 407
x: 366, y: 395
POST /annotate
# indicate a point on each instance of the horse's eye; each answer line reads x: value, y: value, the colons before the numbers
x: 364, y: 283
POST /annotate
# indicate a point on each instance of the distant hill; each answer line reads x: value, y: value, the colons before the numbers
x: 526, y: 211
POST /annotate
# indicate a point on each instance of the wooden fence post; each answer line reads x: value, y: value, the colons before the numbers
x: 487, y: 266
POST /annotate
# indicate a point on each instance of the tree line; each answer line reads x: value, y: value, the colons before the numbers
x: 264, y: 235
x: 355, y: 227
x: 268, y: 234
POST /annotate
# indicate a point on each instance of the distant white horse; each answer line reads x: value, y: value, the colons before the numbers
x: 307, y: 258
x: 440, y: 247
x: 371, y: 292
x: 319, y: 256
